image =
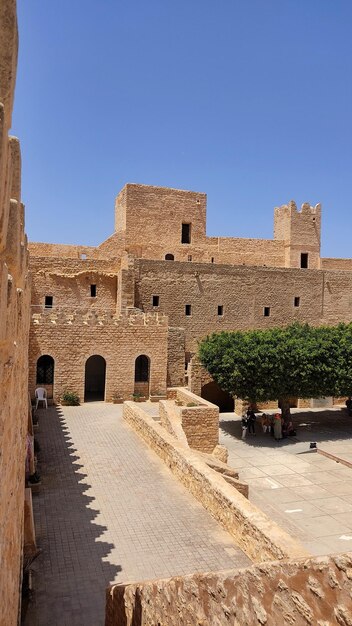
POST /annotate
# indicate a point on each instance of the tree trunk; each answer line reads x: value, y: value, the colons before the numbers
x: 284, y: 405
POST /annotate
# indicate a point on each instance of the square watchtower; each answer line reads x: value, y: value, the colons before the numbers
x: 300, y: 230
x: 159, y: 215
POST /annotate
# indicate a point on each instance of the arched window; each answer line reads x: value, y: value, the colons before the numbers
x: 169, y: 257
x: 45, y: 370
x: 141, y: 371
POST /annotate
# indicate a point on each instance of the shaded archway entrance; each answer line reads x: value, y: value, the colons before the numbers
x: 141, y: 375
x: 213, y: 393
x: 94, y: 382
x: 45, y: 374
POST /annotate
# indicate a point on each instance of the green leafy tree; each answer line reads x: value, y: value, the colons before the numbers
x: 281, y: 363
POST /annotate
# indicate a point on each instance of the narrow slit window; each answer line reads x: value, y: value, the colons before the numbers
x: 49, y: 302
x: 212, y: 259
x: 93, y: 291
x: 186, y: 233
x: 220, y: 310
x: 267, y: 311
x: 189, y: 257
x: 188, y: 309
x: 304, y: 260
x: 297, y: 301
x: 155, y: 300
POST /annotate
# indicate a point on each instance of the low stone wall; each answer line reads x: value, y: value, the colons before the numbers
x: 258, y: 536
x: 200, y: 423
x: 170, y: 419
x: 315, y: 591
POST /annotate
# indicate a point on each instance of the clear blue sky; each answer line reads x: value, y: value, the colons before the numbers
x: 249, y: 101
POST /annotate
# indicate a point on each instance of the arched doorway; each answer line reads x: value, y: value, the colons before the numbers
x: 45, y: 374
x: 94, y: 382
x: 169, y: 257
x: 141, y: 375
x: 213, y: 393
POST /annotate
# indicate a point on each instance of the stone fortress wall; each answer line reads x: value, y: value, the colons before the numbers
x: 14, y: 329
x: 209, y: 284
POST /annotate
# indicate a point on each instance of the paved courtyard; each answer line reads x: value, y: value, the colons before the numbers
x: 109, y: 510
x: 307, y: 494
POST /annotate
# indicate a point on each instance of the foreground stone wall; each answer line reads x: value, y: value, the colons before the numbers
x: 14, y: 325
x: 257, y: 535
x: 314, y: 592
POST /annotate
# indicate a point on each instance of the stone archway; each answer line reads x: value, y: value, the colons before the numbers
x: 94, y: 380
x: 45, y: 374
x: 142, y: 375
x: 213, y: 393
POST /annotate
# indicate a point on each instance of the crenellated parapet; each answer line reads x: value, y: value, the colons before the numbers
x: 96, y: 318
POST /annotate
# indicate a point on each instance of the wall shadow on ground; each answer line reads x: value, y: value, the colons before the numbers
x: 319, y: 426
x: 72, y: 573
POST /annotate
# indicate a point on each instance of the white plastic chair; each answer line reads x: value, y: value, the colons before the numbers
x: 40, y: 395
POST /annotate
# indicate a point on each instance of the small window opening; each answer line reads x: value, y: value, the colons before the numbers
x: 169, y: 257
x: 267, y: 311
x: 188, y: 309
x: 189, y: 257
x: 304, y: 260
x: 212, y: 259
x: 49, y: 302
x: 220, y: 309
x: 83, y: 256
x: 93, y: 291
x: 155, y: 300
x: 186, y: 233
x: 297, y: 300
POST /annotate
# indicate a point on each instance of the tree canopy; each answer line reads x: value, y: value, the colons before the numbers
x: 277, y: 363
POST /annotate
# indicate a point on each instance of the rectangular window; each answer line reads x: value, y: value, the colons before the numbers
x: 189, y: 257
x: 186, y: 233
x: 93, y: 291
x: 155, y: 300
x: 304, y: 260
x: 188, y: 309
x: 212, y: 259
x: 220, y: 309
x: 267, y: 311
x: 49, y: 302
x: 297, y: 300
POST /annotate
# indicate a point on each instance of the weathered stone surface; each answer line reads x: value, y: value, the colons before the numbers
x: 14, y: 329
x: 277, y: 594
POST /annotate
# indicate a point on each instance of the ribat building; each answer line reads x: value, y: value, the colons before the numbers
x: 125, y: 317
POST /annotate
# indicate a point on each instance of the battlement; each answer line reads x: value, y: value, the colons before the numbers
x: 89, y: 317
x: 305, y: 209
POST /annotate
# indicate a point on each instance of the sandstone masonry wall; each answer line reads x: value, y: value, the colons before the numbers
x: 71, y: 338
x: 314, y: 592
x: 243, y: 292
x: 14, y: 326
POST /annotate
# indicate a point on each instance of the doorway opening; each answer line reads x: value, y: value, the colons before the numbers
x: 141, y: 375
x: 213, y: 393
x: 94, y: 382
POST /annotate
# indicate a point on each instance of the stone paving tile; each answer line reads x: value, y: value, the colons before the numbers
x: 299, y: 478
x: 109, y: 510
